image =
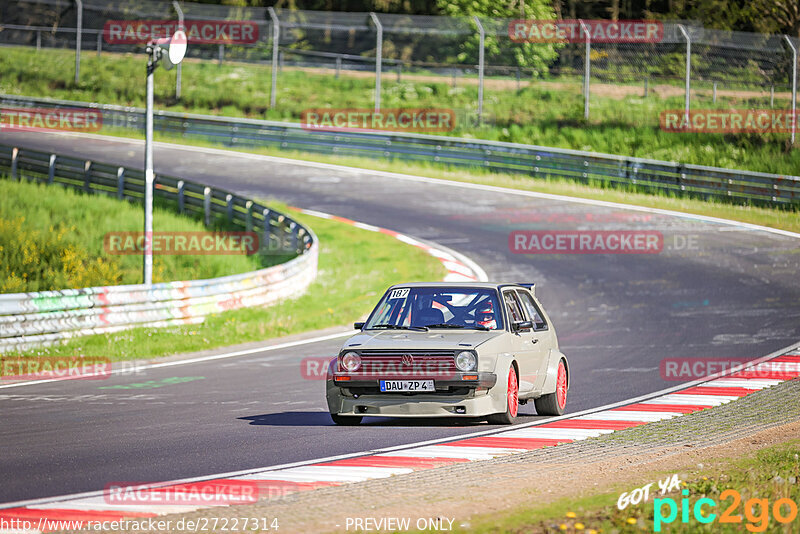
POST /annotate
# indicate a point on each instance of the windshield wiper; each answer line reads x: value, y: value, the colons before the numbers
x: 400, y: 327
x: 450, y: 325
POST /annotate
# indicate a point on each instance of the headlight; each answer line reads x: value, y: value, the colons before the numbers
x: 466, y: 361
x: 351, y: 361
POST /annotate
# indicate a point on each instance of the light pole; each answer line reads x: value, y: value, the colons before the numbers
x: 171, y: 52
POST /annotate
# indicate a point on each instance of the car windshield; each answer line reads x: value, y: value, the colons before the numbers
x: 437, y: 307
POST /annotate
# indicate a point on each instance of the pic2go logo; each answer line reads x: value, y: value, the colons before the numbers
x: 756, y: 511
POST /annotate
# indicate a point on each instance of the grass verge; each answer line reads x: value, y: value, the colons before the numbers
x: 52, y: 238
x: 771, y: 475
x: 548, y: 113
x: 355, y: 267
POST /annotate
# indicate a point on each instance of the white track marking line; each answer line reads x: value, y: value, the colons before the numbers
x: 223, y: 356
x: 749, y: 383
x: 99, y: 505
x: 631, y: 415
x: 439, y: 181
x: 447, y: 451
x: 692, y: 400
x: 607, y: 412
x: 556, y: 433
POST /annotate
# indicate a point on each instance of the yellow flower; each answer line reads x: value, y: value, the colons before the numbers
x: 571, y: 515
x: 579, y: 526
x: 562, y: 526
x: 631, y: 520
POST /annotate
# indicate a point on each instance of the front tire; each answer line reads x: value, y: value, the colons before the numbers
x: 512, y: 402
x: 554, y: 403
x: 346, y: 420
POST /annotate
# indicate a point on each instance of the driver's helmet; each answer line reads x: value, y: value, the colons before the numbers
x: 484, y: 315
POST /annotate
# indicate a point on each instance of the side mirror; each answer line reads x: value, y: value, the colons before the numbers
x: 541, y: 327
x: 358, y: 326
x: 521, y: 325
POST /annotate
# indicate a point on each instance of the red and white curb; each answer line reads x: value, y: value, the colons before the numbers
x: 459, y: 267
x: 303, y: 476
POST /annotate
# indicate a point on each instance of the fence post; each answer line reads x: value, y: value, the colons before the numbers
x: 646, y: 83
x: 519, y: 78
x: 78, y: 35
x: 772, y: 96
x: 38, y: 40
x: 714, y: 94
x: 99, y: 43
x: 51, y: 170
x: 378, y: 59
x: 181, y: 196
x: 399, y: 71
x: 794, y: 85
x: 221, y: 54
x: 121, y: 183
x: 207, y: 205
x: 87, y: 176
x: 338, y: 66
x: 688, y: 71
x: 248, y: 217
x: 586, y: 69
x: 481, y: 52
x: 14, y: 158
x: 229, y: 205
x: 266, y: 228
x: 276, y: 37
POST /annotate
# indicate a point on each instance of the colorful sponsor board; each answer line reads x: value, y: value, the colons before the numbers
x: 585, y: 242
x: 576, y: 31
x: 182, y: 243
x: 393, y: 120
x: 197, y: 31
x: 39, y: 119
x: 729, y: 121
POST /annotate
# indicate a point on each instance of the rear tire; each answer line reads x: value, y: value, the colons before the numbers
x: 512, y: 402
x: 554, y: 403
x: 346, y: 420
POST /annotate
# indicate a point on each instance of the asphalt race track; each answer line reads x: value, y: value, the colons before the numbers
x: 715, y: 291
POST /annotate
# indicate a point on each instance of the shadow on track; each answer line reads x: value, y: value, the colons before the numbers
x: 301, y: 418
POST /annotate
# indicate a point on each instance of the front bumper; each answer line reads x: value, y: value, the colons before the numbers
x: 455, y: 397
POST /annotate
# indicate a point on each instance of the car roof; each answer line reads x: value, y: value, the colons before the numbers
x: 466, y: 285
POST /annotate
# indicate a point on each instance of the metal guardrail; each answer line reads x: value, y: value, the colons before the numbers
x: 34, y: 319
x: 536, y: 161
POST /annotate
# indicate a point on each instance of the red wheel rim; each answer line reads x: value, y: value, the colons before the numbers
x: 513, y: 393
x: 561, y: 386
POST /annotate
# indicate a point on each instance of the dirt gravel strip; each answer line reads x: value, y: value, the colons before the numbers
x: 431, y: 480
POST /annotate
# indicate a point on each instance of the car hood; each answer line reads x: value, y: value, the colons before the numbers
x: 410, y: 340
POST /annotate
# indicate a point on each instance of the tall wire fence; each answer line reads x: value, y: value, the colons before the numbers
x: 473, y: 56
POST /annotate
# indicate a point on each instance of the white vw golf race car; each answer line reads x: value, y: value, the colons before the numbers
x: 468, y: 349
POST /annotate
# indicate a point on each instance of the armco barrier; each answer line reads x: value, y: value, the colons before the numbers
x: 536, y: 161
x: 33, y: 319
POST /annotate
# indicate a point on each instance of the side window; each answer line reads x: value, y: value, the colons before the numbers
x: 512, y: 307
x: 533, y: 311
